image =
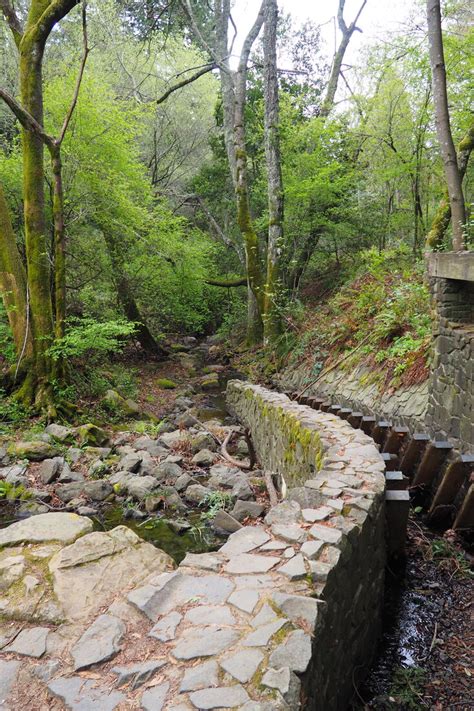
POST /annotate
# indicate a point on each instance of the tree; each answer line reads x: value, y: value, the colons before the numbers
x: 443, y: 124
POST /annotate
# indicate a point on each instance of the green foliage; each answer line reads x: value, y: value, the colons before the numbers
x: 451, y: 558
x: 214, y: 502
x: 407, y: 686
x: 12, y: 492
x: 86, y: 337
x: 12, y: 412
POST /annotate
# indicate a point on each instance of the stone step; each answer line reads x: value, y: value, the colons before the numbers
x: 395, y: 439
x: 355, y: 419
x: 465, y: 517
x: 391, y: 461
x: 316, y: 402
x: 431, y: 462
x: 380, y: 432
x: 397, y: 507
x: 396, y: 481
x: 413, y: 452
x: 368, y: 423
x: 335, y: 409
x: 457, y: 473
x: 325, y: 406
x: 345, y: 412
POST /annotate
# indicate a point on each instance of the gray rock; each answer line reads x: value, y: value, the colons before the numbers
x: 153, y: 699
x: 46, y: 671
x: 59, y: 432
x: 204, y: 458
x: 54, y: 526
x: 186, y: 419
x: 223, y: 476
x: 264, y: 616
x: 294, y: 653
x: 225, y: 522
x: 242, y: 665
x: 277, y: 679
x: 137, y: 674
x: 204, y: 441
x: 242, y: 489
x: 80, y: 694
x: 244, y: 600
x: 248, y: 538
x: 49, y: 469
x: 140, y: 486
x: 205, y: 561
x: 290, y: 532
x: 200, y: 677
x: 67, y: 475
x: 325, y: 533
x: 14, y: 473
x: 35, y: 450
x: 312, y: 549
x: 196, y: 493
x: 305, y: 497
x: 183, y: 481
x: 263, y: 634
x: 229, y: 697
x: 149, y: 445
x: 294, y: 569
x: 98, y: 490
x: 286, y: 512
x: 210, y: 615
x: 68, y: 492
x: 204, y: 642
x: 297, y: 607
x: 86, y: 511
x: 319, y: 514
x: 168, y: 471
x: 246, y: 563
x: 165, y: 629
x: 32, y: 508
x: 100, y: 642
x: 8, y: 671
x: 31, y: 642
x: 130, y: 463
x: 243, y: 509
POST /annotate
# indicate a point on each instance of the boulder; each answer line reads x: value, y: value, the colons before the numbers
x: 203, y: 440
x: 167, y: 471
x: 196, y: 493
x: 59, y: 432
x: 130, y: 462
x: 67, y: 492
x: 90, y: 434
x: 140, y: 486
x: 35, y: 451
x: 247, y: 509
x: 54, y: 526
x: 98, y: 490
x: 183, y: 481
x: 204, y: 458
x: 225, y: 522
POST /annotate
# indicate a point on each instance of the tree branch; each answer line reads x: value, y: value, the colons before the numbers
x: 27, y: 121
x: 227, y: 283
x: 12, y: 19
x: 75, y: 97
x: 54, y: 13
x: 184, y: 82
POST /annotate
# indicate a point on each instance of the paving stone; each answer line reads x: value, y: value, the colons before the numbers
x: 53, y: 526
x: 200, y: 677
x: 79, y: 694
x: 223, y: 521
x: 243, y: 665
x: 8, y: 672
x: 179, y: 706
x: 319, y: 571
x: 311, y: 549
x: 244, y: 600
x: 210, y: 615
x: 203, y: 642
x: 265, y: 615
x: 294, y: 569
x: 286, y: 512
x: 243, y: 509
x: 295, y: 652
x: 297, y: 607
x: 335, y: 504
x: 205, y: 561
x: 46, y: 671
x: 319, y: 514
x: 259, y: 581
x: 137, y: 674
x: 229, y: 697
x: 290, y: 532
x: 289, y: 552
x: 326, y: 534
x: 101, y: 641
x: 179, y: 589
x: 165, y: 629
x: 273, y: 546
x: 263, y: 634
x: 277, y: 679
x: 245, y: 540
x: 30, y: 642
x: 153, y: 699
x: 250, y: 563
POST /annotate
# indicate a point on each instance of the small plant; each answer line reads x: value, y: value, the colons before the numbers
x: 450, y: 558
x: 12, y: 492
x: 407, y: 686
x: 215, y: 501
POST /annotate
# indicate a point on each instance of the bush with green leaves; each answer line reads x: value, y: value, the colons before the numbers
x: 88, y: 337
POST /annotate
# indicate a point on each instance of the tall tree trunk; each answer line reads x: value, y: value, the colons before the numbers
x: 443, y: 126
x: 273, y: 286
x: 13, y: 288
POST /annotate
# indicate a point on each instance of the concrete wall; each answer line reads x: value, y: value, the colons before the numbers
x: 331, y: 467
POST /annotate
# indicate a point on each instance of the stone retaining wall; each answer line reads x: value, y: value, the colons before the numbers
x: 335, y: 474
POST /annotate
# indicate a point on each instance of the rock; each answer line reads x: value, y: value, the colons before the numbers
x: 203, y: 642
x: 171, y: 439
x: 90, y: 434
x: 166, y: 384
x: 100, y: 642
x: 130, y: 463
x: 140, y: 486
x: 221, y: 475
x: 154, y: 698
x: 199, y: 677
x: 186, y: 419
x: 74, y: 454
x: 67, y: 475
x: 75, y: 503
x: 149, y: 445
x: 137, y: 674
x: 204, y: 458
x: 167, y: 470
x: 312, y: 549
x: 35, y: 451
x: 326, y: 534
x: 247, y: 509
x: 153, y: 502
x: 244, y: 540
x: 46, y: 671
x: 242, y: 489
x: 32, y: 508
x: 290, y: 532
x: 210, y: 382
x: 116, y: 403
x: 247, y: 563
x: 165, y: 629
x: 242, y: 665
x: 225, y: 522
x: 196, y: 493
x: 79, y: 694
x: 286, y: 512
x: 68, y: 492
x: 205, y: 561
x: 184, y: 402
x: 263, y: 634
x: 172, y: 499
x: 294, y: 569
x: 98, y: 490
x: 294, y: 653
x: 229, y: 697
x: 209, y: 615
x: 49, y: 469
x: 305, y: 497
x: 86, y: 511
x: 203, y: 440
x: 63, y: 527
x: 98, y: 469
x: 183, y: 481
x: 318, y: 514
x: 8, y: 673
x: 13, y: 474
x: 244, y: 600
x: 31, y: 642
x: 59, y: 432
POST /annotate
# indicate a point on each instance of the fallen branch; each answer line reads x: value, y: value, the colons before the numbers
x: 226, y: 455
x: 272, y: 492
